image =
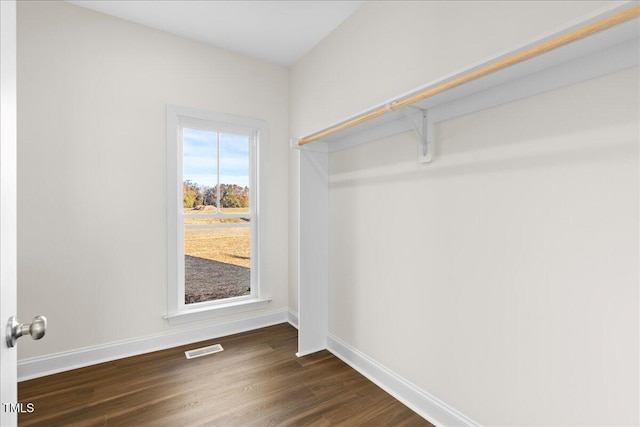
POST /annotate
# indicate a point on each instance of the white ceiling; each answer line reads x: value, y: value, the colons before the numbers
x: 280, y: 32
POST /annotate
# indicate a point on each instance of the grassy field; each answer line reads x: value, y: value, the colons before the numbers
x: 217, y: 260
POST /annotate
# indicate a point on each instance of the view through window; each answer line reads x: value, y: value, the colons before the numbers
x: 217, y: 211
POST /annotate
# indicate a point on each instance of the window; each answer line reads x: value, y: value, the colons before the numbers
x: 215, y: 187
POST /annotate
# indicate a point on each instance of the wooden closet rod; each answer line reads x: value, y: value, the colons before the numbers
x: 580, y: 33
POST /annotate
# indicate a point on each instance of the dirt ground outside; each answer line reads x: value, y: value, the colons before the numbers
x: 217, y: 260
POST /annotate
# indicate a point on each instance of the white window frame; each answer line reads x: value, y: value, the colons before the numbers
x: 177, y: 119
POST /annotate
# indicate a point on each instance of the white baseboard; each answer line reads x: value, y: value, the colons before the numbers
x: 293, y: 318
x: 426, y: 405
x: 51, y: 364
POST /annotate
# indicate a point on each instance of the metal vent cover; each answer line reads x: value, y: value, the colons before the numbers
x: 217, y: 348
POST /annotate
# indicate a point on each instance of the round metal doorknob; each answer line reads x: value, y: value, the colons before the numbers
x: 37, y: 328
x: 15, y: 330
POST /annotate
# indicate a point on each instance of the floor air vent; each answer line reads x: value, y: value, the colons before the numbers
x: 203, y: 351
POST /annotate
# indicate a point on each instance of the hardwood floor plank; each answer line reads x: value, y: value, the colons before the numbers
x: 256, y: 381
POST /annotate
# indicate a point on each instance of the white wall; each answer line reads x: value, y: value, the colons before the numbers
x: 502, y: 278
x: 388, y: 48
x: 92, y: 218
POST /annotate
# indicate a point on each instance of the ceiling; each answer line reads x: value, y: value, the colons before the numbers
x: 279, y: 32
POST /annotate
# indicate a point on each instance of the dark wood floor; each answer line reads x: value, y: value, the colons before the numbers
x: 256, y: 381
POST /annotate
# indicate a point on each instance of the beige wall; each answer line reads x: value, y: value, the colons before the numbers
x: 503, y: 277
x: 91, y: 163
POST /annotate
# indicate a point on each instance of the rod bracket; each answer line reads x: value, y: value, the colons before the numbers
x: 426, y: 143
x: 425, y: 134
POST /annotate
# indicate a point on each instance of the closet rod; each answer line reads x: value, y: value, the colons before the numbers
x: 560, y: 41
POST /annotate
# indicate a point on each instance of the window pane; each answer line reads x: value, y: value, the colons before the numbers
x: 200, y: 170
x: 217, y: 263
x: 234, y: 173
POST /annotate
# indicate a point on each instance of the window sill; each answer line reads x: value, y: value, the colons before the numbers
x: 215, y: 311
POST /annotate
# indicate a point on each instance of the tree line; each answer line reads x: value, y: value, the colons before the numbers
x: 231, y: 195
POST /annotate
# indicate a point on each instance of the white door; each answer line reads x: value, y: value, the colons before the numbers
x: 8, y: 356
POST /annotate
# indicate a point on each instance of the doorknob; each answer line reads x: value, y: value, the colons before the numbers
x: 15, y: 330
